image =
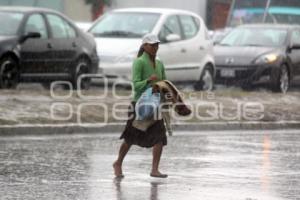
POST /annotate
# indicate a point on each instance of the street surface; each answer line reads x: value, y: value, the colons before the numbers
x: 236, y: 165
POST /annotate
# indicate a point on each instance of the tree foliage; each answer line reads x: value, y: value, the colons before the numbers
x: 97, y: 7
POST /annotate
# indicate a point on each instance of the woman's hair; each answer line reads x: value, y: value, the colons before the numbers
x: 141, y: 51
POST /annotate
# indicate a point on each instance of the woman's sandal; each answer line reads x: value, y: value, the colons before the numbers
x: 159, y: 175
x: 120, y: 176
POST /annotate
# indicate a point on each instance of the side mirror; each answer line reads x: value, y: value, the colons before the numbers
x: 29, y: 35
x: 173, y: 38
x: 295, y: 46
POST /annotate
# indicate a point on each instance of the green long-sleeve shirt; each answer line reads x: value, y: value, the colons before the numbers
x: 142, y: 70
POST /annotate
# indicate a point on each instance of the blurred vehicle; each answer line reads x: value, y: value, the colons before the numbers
x: 252, y: 53
x: 185, y: 48
x: 263, y: 11
x: 43, y: 45
x: 84, y: 26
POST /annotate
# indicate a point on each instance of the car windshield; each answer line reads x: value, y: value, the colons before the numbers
x: 125, y: 25
x: 10, y: 22
x: 255, y: 37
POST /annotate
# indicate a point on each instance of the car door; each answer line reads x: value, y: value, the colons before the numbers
x: 172, y: 52
x: 195, y: 45
x: 34, y: 52
x: 295, y: 53
x: 63, y: 43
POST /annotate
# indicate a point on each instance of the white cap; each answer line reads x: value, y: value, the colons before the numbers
x: 150, y: 38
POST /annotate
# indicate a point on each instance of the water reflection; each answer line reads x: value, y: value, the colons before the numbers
x: 287, y: 164
x: 117, y: 183
x: 42, y: 168
x: 265, y: 178
x: 237, y: 166
x: 121, y: 195
x: 154, y: 190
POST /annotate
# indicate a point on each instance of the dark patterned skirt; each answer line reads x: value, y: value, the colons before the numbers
x: 155, y: 134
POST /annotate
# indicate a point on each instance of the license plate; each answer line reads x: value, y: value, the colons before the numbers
x: 227, y: 73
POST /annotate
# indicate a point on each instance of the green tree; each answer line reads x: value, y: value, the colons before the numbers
x: 97, y: 7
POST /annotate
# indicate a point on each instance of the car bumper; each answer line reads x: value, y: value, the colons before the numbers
x: 243, y: 74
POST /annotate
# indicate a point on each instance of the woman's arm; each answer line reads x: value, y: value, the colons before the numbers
x: 164, y: 77
x: 137, y: 71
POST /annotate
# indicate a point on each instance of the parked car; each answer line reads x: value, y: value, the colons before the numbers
x: 252, y: 53
x: 185, y: 48
x: 43, y: 45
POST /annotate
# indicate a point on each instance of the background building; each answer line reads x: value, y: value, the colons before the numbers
x: 214, y: 12
x: 75, y: 9
x: 217, y: 13
x: 197, y: 6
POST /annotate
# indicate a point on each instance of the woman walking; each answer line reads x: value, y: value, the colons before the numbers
x: 146, y: 71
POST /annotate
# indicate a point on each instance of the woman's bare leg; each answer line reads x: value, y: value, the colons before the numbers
x: 157, y: 151
x: 118, y: 163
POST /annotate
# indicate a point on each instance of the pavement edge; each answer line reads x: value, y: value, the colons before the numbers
x: 118, y: 128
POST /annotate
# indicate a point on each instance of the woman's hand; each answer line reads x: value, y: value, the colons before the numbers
x: 153, y: 77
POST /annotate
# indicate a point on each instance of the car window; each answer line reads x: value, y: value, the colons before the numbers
x: 259, y: 36
x: 70, y: 30
x: 125, y: 24
x: 171, y: 26
x: 189, y: 26
x: 36, y: 23
x: 58, y: 27
x: 295, y: 39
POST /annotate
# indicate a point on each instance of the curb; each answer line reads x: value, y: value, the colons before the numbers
x: 227, y: 126
x: 53, y: 129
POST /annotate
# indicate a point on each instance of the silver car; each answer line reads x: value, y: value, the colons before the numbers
x: 186, y: 50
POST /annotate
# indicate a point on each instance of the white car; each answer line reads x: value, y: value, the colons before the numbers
x: 185, y: 49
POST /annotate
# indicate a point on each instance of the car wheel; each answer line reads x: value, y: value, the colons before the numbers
x: 9, y: 74
x: 206, y: 81
x: 82, y: 67
x: 281, y: 82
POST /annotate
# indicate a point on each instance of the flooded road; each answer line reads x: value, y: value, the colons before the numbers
x: 201, y: 165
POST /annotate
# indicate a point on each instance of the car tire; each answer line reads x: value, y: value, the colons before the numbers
x: 82, y: 66
x: 206, y: 81
x: 281, y: 80
x: 9, y: 73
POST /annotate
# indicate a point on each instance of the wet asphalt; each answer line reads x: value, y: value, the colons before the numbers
x: 258, y: 165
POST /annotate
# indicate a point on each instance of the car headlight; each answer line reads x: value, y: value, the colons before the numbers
x: 268, y: 59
